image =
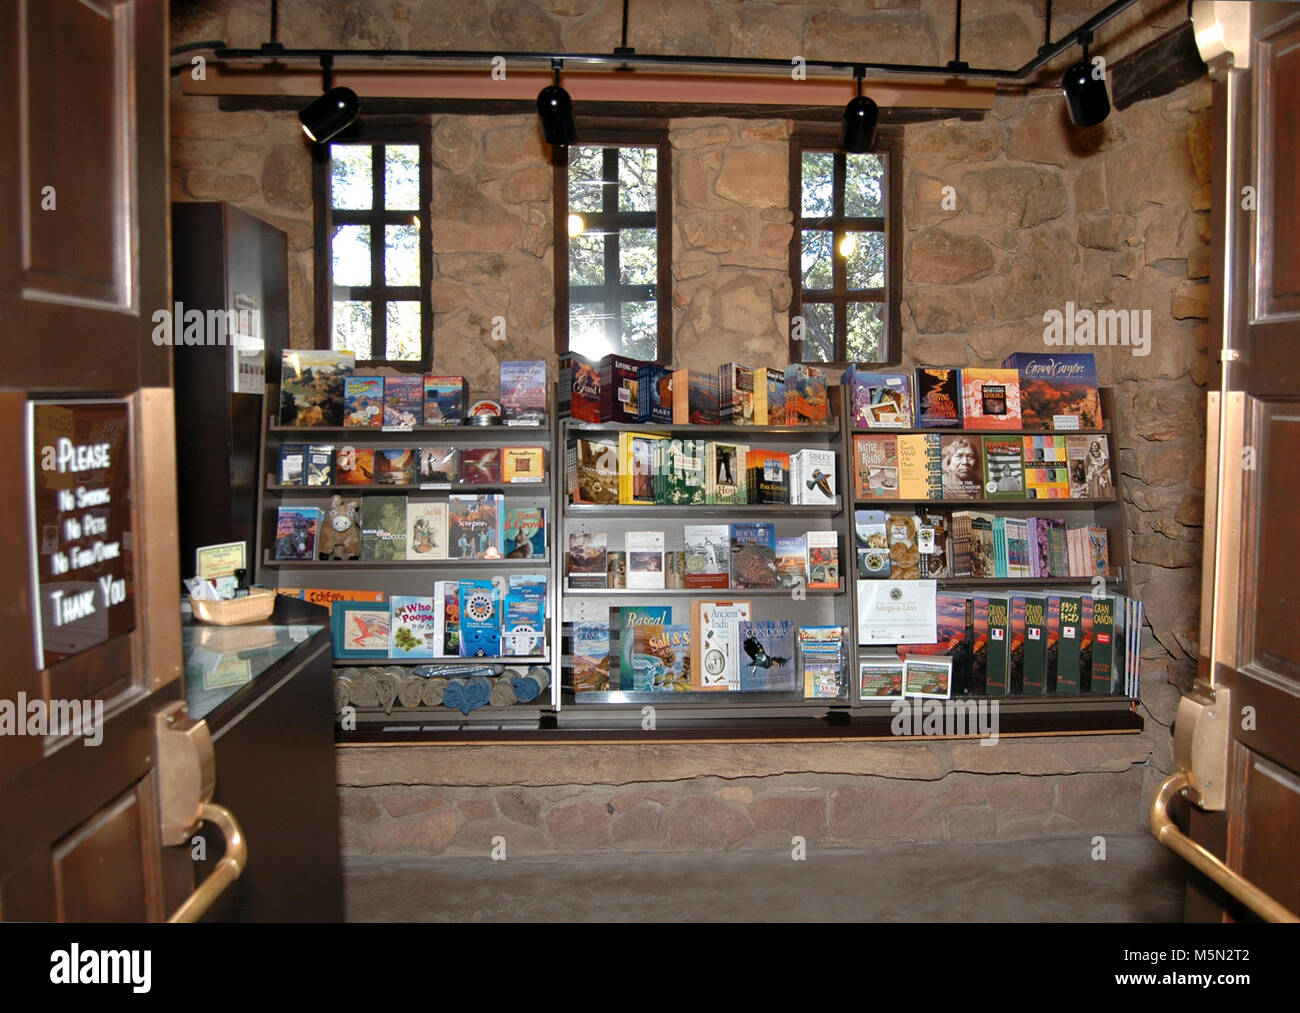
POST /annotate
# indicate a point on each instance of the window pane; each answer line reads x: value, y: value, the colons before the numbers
x: 864, y: 186
x: 350, y: 178
x: 402, y: 177
x: 585, y: 186
x: 401, y: 255
x: 866, y: 263
x: 637, y: 178
x: 818, y: 181
x: 352, y: 327
x: 588, y: 330
x: 638, y: 262
x: 351, y: 250
x: 866, y: 331
x: 403, y: 322
x: 587, y: 259
x: 818, y: 332
x: 640, y: 330
x: 817, y: 246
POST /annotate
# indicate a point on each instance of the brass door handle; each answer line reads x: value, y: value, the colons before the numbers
x: 227, y: 870
x: 1171, y: 837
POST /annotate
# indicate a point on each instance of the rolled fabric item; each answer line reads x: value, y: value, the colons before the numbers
x: 526, y: 688
x: 542, y: 674
x: 387, y: 685
x: 433, y: 692
x: 411, y: 691
x: 342, y: 691
x: 453, y: 695
x: 503, y: 693
x: 478, y: 691
x: 365, y: 688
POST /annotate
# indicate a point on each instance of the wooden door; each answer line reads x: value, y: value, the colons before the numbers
x: 83, y: 267
x: 1250, y: 636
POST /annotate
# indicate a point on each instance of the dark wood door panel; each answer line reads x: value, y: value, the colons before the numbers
x: 1269, y: 727
x: 1264, y: 826
x: 1277, y: 59
x: 100, y: 870
x: 1274, y: 635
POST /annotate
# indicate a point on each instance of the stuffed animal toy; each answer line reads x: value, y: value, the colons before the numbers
x: 341, y: 536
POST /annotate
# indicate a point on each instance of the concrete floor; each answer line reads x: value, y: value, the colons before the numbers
x: 1012, y: 881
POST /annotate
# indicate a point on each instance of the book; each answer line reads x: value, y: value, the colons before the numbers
x: 990, y: 398
x: 823, y: 560
x: 320, y: 464
x: 580, y: 395
x: 1105, y: 647
x: 645, y: 559
x: 669, y: 646
x: 523, y: 392
x: 767, y: 661
x: 920, y: 466
x: 812, y: 477
x: 426, y: 530
x: 296, y: 530
x: 875, y: 466
x: 590, y: 657
x: 648, y: 664
x: 724, y: 464
x: 933, y: 540
x: 695, y: 398
x: 480, y: 620
x: 293, y: 464
x: 360, y: 630
x: 1098, y: 552
x: 879, y: 400
x: 655, y: 385
x: 355, y: 466
x: 1057, y: 391
x: 753, y: 555
x: 439, y: 466
x: 1034, y: 670
x: 1047, y: 472
x: 776, y: 413
x: 963, y: 476
x: 1087, y: 613
x: 683, y: 472
x: 396, y: 465
x: 1004, y: 476
x: 823, y: 671
x: 311, y: 386
x: 805, y: 395
x: 1089, y: 465
x: 523, y: 621
x: 715, y: 643
x: 480, y: 465
x: 413, y: 620
x: 736, y: 394
x: 525, y: 465
x: 448, y: 593
x: 997, y: 669
x: 638, y: 457
x: 446, y: 399
x: 769, y: 476
x: 594, y: 477
x: 872, y: 543
x: 403, y: 401
x: 938, y: 398
x: 983, y: 546
x: 619, y: 379
x: 1052, y: 633
x: 634, y: 667
x: 953, y: 619
x: 1069, y: 645
x: 792, y: 561
x: 587, y: 564
x: 708, y: 555
x: 1019, y: 548
x: 474, y: 526
x: 383, y: 527
x: 523, y: 533
x: 363, y: 401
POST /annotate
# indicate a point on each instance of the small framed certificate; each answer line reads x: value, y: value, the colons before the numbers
x: 214, y: 561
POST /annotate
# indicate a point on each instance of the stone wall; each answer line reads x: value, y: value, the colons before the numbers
x: 1112, y: 217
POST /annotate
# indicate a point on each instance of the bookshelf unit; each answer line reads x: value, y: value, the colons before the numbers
x: 622, y: 710
x: 414, y: 576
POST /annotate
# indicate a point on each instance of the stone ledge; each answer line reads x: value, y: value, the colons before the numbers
x: 568, y: 764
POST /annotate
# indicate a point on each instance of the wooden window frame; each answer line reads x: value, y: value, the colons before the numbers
x: 375, y: 131
x: 889, y: 142
x: 612, y: 135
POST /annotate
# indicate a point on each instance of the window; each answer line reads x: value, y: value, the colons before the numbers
x: 845, y: 258
x: 613, y: 252
x: 373, y: 260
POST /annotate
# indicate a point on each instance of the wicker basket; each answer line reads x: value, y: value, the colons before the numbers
x: 259, y: 605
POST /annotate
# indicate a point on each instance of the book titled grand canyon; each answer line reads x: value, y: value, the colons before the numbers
x: 1057, y: 389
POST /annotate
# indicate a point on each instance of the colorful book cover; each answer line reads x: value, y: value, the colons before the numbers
x: 1052, y: 611
x: 871, y: 536
x: 413, y: 621
x: 320, y: 464
x: 403, y: 401
x: 311, y: 386
x: 523, y: 465
x: 938, y: 398
x: 875, y: 466
x: 1055, y: 390
x: 355, y: 466
x: 1047, y: 472
x: 1004, y: 476
x: 963, y: 476
x: 952, y: 615
x: 523, y: 392
x: 1089, y: 465
x: 480, y: 465
x: 293, y: 464
x: 1098, y: 552
x: 1059, y: 561
x: 753, y: 555
x: 645, y: 559
x: 439, y: 466
x: 815, y: 484
x: 596, y: 471
x: 708, y: 555
x: 880, y: 400
x: 360, y: 631
x: 523, y: 622
x: 792, y: 561
x: 363, y: 401
x: 821, y: 662
x: 480, y: 620
x: 736, y: 394
x: 524, y: 533
x: 670, y: 647
x: 1087, y: 616
x: 591, y: 660
x: 983, y: 546
x: 701, y: 405
x: 383, y: 527
x: 638, y: 460
x: 426, y: 530
x: 296, y: 528
x: 990, y: 398
x: 823, y: 560
x: 396, y: 465
x: 583, y: 386
x: 920, y: 466
x: 767, y: 662
x: 632, y: 667
x: 684, y: 479
x: 805, y: 395
x: 715, y: 643
x: 619, y: 388
x: 769, y: 476
x: 474, y: 526
x: 588, y: 565
x: 724, y: 476
x: 979, y: 645
x: 776, y: 414
x: 445, y: 400
x: 656, y: 386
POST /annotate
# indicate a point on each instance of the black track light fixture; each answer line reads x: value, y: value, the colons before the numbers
x: 1085, y: 95
x: 555, y: 109
x: 333, y: 112
x: 861, y: 117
